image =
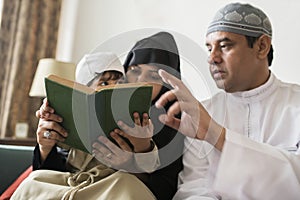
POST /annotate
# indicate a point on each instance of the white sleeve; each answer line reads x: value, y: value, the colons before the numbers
x: 252, y: 170
x: 147, y: 162
x: 194, y: 181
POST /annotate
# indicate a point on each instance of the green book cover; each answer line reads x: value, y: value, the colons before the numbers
x: 89, y: 113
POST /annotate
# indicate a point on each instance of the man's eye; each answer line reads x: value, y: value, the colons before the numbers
x: 209, y: 49
x: 225, y: 46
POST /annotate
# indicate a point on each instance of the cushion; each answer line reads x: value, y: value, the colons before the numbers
x: 10, y: 190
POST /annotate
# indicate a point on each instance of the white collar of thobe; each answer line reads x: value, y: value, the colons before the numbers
x: 256, y: 94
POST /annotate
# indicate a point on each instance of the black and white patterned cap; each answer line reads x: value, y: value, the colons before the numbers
x: 241, y: 19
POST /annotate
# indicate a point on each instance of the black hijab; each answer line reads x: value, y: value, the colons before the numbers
x: 161, y: 50
x: 158, y: 50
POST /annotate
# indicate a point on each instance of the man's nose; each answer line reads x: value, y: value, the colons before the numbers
x: 214, y: 57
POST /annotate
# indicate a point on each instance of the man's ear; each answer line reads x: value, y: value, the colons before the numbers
x: 263, y: 45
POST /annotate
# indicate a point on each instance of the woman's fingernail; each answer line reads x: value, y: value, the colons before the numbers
x: 162, y: 118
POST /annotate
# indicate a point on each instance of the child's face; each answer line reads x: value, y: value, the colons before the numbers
x: 106, y: 78
x: 145, y: 73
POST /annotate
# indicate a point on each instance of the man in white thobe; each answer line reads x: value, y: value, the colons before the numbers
x: 242, y: 143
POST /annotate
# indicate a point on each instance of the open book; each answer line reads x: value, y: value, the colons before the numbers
x: 88, y: 113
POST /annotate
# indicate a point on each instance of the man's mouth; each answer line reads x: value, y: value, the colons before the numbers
x: 218, y: 74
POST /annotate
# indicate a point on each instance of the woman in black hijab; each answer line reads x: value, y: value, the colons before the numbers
x: 148, y: 55
x: 158, y: 51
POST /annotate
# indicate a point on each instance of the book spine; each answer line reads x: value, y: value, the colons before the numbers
x: 80, y: 117
x: 97, y: 116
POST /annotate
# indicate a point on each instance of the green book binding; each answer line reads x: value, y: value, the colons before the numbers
x: 89, y: 113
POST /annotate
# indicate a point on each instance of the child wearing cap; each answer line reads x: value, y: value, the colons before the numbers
x: 93, y: 70
x: 101, y: 68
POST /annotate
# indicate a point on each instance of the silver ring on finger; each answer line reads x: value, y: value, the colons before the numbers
x: 47, y: 134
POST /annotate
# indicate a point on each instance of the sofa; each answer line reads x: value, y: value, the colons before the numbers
x: 14, y: 161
